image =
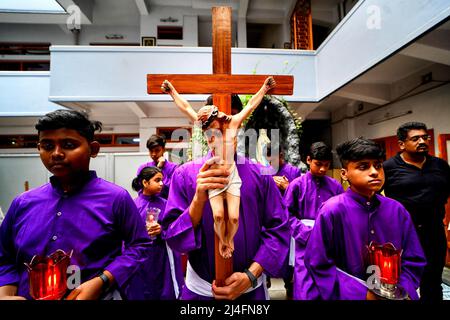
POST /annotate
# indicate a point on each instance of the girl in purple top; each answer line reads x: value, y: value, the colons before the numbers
x: 304, y: 196
x: 161, y: 276
x: 75, y: 211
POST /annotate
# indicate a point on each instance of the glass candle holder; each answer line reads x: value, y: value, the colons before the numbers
x: 48, y: 275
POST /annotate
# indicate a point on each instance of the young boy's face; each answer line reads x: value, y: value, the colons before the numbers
x: 318, y: 168
x: 64, y: 152
x: 156, y: 153
x: 366, y: 176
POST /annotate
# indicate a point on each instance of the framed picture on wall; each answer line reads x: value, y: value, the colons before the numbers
x: 148, y: 41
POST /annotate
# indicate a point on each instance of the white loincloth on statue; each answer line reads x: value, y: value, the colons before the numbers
x: 233, y: 186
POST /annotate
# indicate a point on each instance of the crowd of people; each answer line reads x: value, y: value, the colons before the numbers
x: 303, y: 228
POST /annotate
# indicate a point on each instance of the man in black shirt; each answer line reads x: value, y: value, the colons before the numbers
x: 422, y: 184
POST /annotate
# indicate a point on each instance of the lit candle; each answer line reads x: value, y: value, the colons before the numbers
x: 48, y: 276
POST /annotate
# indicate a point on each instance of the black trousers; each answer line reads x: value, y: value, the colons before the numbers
x: 434, y: 245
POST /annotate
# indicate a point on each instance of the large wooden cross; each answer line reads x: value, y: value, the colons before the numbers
x: 221, y: 84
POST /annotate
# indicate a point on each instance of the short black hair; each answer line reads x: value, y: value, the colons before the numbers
x: 402, y: 131
x: 269, y: 149
x: 358, y: 149
x: 146, y: 174
x: 320, y: 151
x: 70, y: 119
x: 156, y: 141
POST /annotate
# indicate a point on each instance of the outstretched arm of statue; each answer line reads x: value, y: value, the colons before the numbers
x: 253, y: 103
x: 181, y: 102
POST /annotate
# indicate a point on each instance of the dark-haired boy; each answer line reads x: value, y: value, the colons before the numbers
x: 156, y: 146
x: 303, y: 199
x: 75, y: 211
x: 336, y: 253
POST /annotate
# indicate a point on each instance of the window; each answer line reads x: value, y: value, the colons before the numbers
x: 35, y: 6
x: 30, y: 48
x: 175, y: 134
x: 18, y: 141
x: 170, y: 33
x: 118, y: 139
x: 25, y: 49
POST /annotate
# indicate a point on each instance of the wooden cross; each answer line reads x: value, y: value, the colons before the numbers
x: 221, y: 84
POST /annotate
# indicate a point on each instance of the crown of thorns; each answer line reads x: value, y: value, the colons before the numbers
x: 212, y: 116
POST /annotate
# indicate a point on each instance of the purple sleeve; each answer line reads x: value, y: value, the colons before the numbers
x: 135, y: 238
x: 177, y: 225
x: 273, y: 252
x: 8, y: 271
x: 332, y: 283
x: 413, y: 258
x: 140, y: 168
x: 299, y: 231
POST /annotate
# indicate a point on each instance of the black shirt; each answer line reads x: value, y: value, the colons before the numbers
x: 423, y: 192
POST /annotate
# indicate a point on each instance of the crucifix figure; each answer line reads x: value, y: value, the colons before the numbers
x: 221, y: 84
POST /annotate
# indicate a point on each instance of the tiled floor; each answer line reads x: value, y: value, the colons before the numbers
x: 277, y: 291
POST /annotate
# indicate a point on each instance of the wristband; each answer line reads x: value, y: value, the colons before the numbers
x: 105, y: 280
x: 251, y: 276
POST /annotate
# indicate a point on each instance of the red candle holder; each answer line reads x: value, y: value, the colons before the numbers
x: 48, y: 275
x: 388, y: 260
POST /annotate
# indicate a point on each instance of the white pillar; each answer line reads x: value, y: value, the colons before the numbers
x: 242, y: 32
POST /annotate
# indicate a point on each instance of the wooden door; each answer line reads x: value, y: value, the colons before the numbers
x: 443, y: 142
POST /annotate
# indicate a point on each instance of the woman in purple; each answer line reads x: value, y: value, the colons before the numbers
x: 303, y: 199
x: 337, y: 251
x: 161, y: 275
x: 75, y: 211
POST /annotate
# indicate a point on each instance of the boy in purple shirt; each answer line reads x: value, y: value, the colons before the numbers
x: 303, y: 199
x: 156, y: 146
x: 75, y: 211
x: 336, y: 255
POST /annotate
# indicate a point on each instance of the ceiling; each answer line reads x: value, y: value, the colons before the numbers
x: 127, y: 12
x: 421, y: 65
x: 401, y: 73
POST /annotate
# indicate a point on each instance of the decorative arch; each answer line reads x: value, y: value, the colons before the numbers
x: 275, y: 113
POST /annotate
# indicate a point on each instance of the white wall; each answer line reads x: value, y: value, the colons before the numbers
x: 149, y: 25
x: 358, y: 43
x: 25, y: 93
x: 431, y: 107
x: 36, y: 32
x: 59, y: 35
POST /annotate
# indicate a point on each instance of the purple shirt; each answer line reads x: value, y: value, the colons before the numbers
x: 262, y: 236
x: 155, y: 280
x: 94, y: 220
x: 167, y: 171
x: 289, y: 171
x: 303, y: 199
x: 345, y: 226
